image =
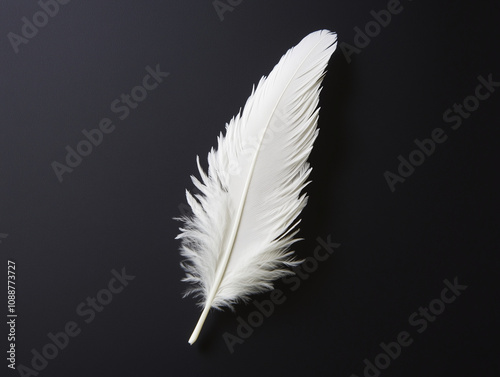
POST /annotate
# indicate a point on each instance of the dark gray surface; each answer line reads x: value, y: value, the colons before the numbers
x: 115, y: 209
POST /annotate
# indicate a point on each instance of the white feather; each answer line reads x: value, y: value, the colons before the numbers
x: 237, y: 241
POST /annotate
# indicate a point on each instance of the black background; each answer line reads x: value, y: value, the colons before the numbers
x: 115, y: 210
